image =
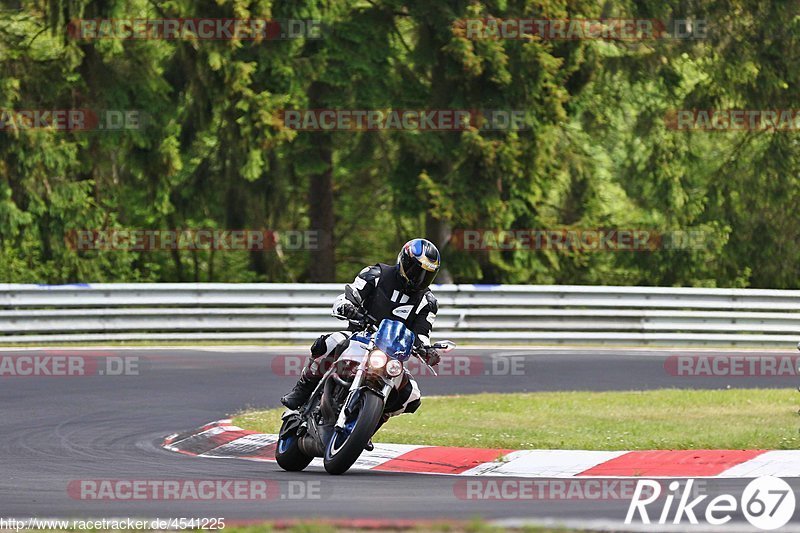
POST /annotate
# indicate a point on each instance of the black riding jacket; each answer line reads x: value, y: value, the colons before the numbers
x: 379, y: 290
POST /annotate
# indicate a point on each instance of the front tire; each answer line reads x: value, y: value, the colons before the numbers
x: 343, y: 450
x: 288, y: 453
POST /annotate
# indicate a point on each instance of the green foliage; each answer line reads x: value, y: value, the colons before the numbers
x: 596, y: 151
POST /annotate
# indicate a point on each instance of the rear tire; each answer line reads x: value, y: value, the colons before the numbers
x: 288, y: 453
x: 342, y: 451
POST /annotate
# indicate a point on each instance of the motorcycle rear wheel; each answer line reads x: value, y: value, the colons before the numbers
x: 288, y: 453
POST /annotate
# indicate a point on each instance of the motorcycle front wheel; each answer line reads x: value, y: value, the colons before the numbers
x: 346, y: 444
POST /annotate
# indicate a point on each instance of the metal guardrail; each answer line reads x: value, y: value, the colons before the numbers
x: 546, y: 314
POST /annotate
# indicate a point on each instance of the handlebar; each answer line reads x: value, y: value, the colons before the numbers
x: 367, y: 322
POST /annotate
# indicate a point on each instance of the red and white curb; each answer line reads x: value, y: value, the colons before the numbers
x: 221, y: 439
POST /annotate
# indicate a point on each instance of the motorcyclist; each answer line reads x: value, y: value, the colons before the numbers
x: 399, y: 292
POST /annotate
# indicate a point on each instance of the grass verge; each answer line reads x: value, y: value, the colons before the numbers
x: 633, y: 420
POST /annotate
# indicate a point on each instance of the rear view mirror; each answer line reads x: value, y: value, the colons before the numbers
x: 445, y: 346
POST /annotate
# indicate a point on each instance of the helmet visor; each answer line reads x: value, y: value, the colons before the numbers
x: 416, y: 276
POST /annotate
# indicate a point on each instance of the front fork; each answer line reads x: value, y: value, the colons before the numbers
x: 355, y: 389
x: 358, y: 380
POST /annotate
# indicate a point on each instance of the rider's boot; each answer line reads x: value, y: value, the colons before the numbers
x: 302, y: 390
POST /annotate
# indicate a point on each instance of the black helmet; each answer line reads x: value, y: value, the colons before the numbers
x: 418, y: 263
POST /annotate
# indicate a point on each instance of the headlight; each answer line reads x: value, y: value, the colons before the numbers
x: 377, y: 360
x: 394, y: 368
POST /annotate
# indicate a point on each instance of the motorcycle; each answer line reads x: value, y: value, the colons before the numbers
x: 346, y: 407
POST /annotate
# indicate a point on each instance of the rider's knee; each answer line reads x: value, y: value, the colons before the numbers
x: 413, y: 406
x: 319, y: 347
x: 328, y: 344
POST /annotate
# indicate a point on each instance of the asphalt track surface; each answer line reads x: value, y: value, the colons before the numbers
x: 61, y: 429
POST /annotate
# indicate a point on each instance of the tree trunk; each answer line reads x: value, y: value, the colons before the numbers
x: 320, y: 196
x: 438, y: 232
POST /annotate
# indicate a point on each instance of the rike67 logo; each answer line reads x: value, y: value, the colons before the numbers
x: 767, y: 503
